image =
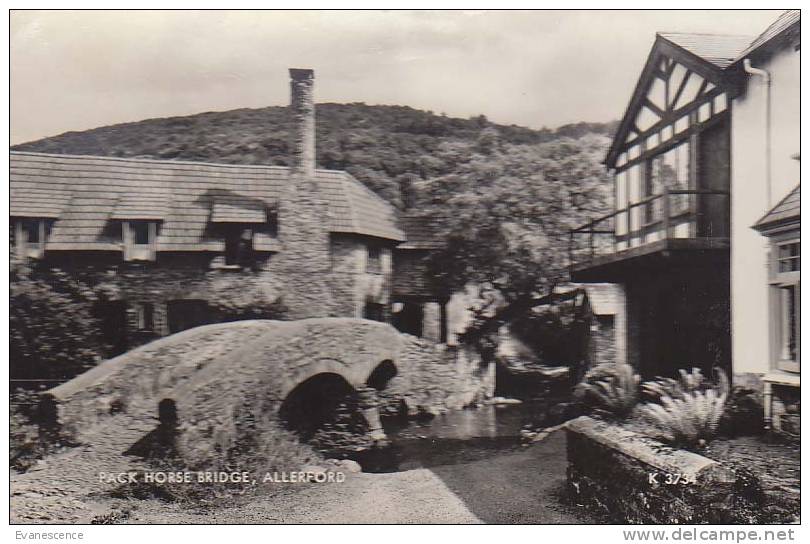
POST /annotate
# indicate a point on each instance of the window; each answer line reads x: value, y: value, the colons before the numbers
x: 786, y: 304
x: 140, y: 233
x: 374, y: 260
x: 31, y: 235
x: 145, y: 314
x: 789, y: 305
x: 185, y: 314
x: 671, y: 170
x: 789, y: 257
x: 374, y: 311
x: 239, y: 247
x: 32, y: 231
x: 139, y: 240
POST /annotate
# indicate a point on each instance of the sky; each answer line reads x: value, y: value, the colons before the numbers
x: 76, y: 70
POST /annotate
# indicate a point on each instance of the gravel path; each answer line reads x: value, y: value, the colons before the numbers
x: 512, y: 487
x: 414, y: 496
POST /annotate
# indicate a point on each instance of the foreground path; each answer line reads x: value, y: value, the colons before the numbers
x: 514, y: 487
x: 414, y: 496
x: 518, y: 487
x: 521, y: 486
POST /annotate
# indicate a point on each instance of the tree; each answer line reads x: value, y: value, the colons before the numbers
x: 505, y: 215
x: 52, y: 331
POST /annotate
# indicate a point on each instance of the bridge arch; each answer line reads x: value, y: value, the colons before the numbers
x: 314, y: 402
x: 382, y: 375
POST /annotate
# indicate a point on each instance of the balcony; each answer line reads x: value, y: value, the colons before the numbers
x: 679, y: 223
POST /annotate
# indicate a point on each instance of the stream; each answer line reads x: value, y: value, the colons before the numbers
x: 452, y: 438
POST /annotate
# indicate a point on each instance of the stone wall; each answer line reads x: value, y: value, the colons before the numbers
x: 193, y: 277
x: 625, y: 475
x: 354, y: 282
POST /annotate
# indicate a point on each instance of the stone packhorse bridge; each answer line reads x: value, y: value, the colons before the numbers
x: 223, y: 383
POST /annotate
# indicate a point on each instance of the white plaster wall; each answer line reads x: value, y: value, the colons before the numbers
x: 749, y: 304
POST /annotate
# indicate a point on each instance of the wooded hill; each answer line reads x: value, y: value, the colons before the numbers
x: 389, y: 148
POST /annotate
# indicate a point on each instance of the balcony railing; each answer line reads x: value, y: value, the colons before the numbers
x: 673, y: 214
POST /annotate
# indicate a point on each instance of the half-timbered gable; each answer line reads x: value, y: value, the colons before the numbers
x: 670, y: 154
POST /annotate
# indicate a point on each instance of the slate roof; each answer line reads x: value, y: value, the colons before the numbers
x: 787, y: 210
x: 38, y: 202
x: 83, y: 193
x: 238, y: 209
x: 421, y: 233
x: 410, y: 277
x: 603, y: 298
x: 718, y: 49
x: 784, y: 22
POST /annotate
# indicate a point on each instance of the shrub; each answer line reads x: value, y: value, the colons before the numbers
x: 52, y: 331
x: 687, y: 382
x: 744, y: 415
x: 691, y: 417
x: 245, y: 296
x: 27, y: 444
x: 611, y: 387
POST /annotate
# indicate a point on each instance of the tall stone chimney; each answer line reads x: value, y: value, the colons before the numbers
x: 302, y: 102
x: 304, y: 263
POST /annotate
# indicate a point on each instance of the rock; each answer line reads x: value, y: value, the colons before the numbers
x: 315, y: 469
x: 502, y: 400
x: 554, y: 372
x: 350, y: 466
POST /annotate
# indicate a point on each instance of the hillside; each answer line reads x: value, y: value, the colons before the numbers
x: 389, y: 148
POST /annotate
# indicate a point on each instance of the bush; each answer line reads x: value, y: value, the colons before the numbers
x: 689, y: 414
x: 52, y: 331
x: 744, y: 415
x: 687, y: 382
x: 245, y: 296
x: 27, y: 443
x: 610, y: 387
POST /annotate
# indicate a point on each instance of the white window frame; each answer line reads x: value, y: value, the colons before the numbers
x: 26, y: 249
x: 134, y: 251
x: 782, y: 283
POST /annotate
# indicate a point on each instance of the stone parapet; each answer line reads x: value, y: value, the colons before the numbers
x: 634, y: 479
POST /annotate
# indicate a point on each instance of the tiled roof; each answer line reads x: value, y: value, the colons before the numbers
x: 783, y: 23
x: 85, y: 192
x: 36, y: 202
x: 238, y: 209
x: 788, y: 209
x: 149, y: 204
x: 604, y: 298
x: 410, y: 277
x: 718, y: 49
x: 421, y: 232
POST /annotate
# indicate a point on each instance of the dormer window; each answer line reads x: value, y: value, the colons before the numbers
x: 239, y: 247
x: 243, y: 223
x: 30, y: 236
x: 139, y: 239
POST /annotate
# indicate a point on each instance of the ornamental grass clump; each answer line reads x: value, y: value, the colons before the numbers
x: 687, y: 382
x: 611, y: 388
x: 688, y: 411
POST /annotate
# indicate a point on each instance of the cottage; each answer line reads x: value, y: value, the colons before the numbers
x: 706, y: 150
x: 161, y: 238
